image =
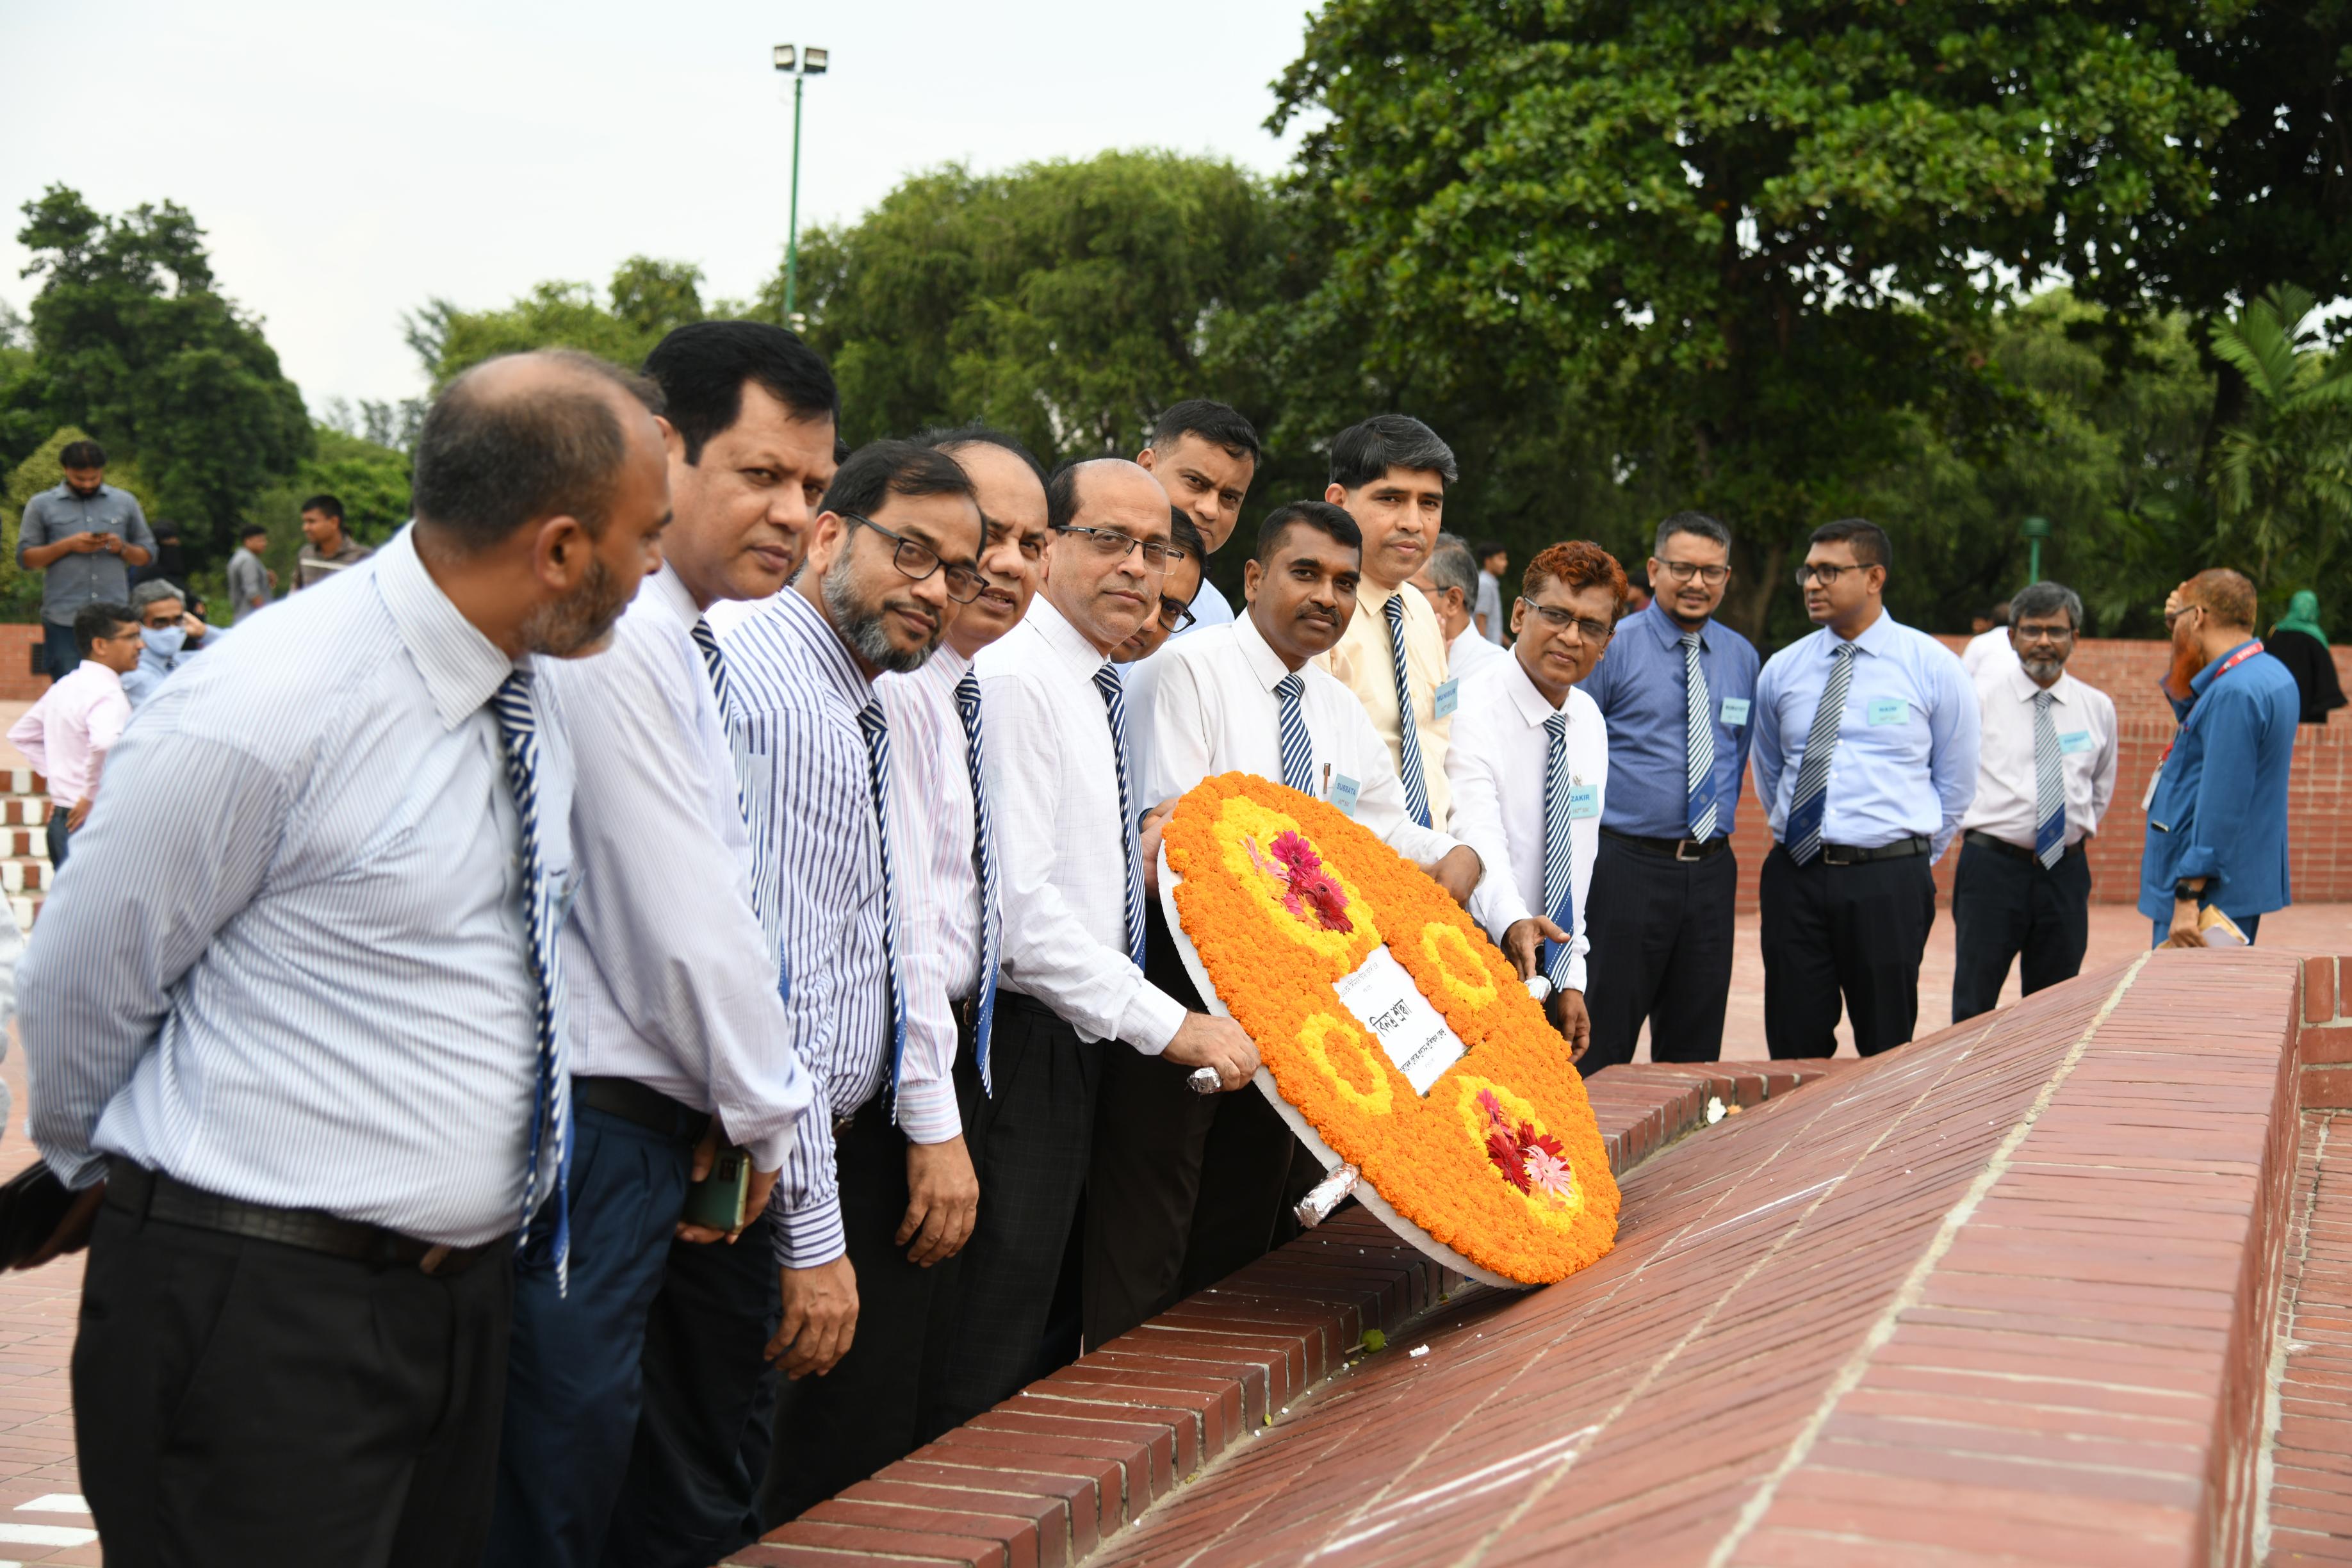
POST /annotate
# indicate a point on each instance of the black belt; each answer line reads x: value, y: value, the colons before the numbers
x: 148, y: 1195
x: 632, y: 1101
x: 1987, y: 841
x: 1682, y: 849
x: 1854, y: 855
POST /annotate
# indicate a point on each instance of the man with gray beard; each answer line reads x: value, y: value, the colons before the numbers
x: 892, y: 555
x: 2045, y: 771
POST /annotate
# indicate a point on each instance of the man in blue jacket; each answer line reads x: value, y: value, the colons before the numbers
x: 2216, y: 834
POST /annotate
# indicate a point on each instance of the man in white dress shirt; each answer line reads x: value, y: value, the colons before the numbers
x: 1186, y: 1188
x: 2045, y: 771
x: 1530, y: 770
x: 1452, y: 583
x: 1204, y: 454
x: 1072, y: 984
x: 1991, y: 648
x: 835, y: 1431
x: 673, y: 1007
x: 307, y: 1045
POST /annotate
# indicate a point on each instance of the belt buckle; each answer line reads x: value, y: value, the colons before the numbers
x: 1692, y: 845
x: 434, y: 1257
x: 1836, y: 854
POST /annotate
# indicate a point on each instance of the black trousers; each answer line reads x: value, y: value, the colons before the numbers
x: 706, y: 1409
x: 1661, y: 930
x: 241, y: 1402
x: 835, y: 1431
x: 1029, y: 1143
x: 59, y: 834
x: 1852, y: 930
x: 2007, y: 906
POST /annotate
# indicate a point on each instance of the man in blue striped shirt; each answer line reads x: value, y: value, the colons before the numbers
x: 301, y: 1031
x: 1674, y: 690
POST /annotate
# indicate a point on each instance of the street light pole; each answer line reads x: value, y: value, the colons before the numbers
x: 2036, y: 530
x: 801, y: 63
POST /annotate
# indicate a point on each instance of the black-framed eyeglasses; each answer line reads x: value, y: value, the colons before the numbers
x: 1173, y: 615
x: 1807, y: 573
x: 2172, y: 615
x: 1112, y: 546
x: 918, y: 561
x: 2043, y: 634
x: 1559, y: 620
x: 1683, y: 571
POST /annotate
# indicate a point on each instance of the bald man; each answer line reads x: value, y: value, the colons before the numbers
x: 1072, y: 983
x: 302, y: 1053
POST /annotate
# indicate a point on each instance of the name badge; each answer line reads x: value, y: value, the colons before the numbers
x: 1889, y: 710
x: 1735, y: 712
x: 2148, y: 799
x: 1583, y: 800
x: 1447, y: 697
x: 1343, y: 794
x: 2075, y: 740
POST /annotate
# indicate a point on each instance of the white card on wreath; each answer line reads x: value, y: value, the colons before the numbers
x: 1383, y: 998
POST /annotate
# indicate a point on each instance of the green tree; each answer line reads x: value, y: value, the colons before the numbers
x: 1753, y: 237
x: 2283, y: 475
x: 644, y: 300
x: 133, y: 341
x: 370, y: 479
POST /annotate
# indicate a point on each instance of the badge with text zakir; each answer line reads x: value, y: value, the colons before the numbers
x: 1394, y: 1036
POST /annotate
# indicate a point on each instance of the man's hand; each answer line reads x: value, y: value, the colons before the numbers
x: 193, y: 627
x: 1523, y: 944
x: 706, y: 1154
x: 2184, y: 931
x: 942, y: 1201
x: 73, y: 1231
x: 820, y: 1318
x: 1457, y: 872
x: 110, y: 543
x: 1202, y: 1041
x: 1568, y: 1016
x: 88, y: 543
x: 1155, y: 825
x: 78, y: 815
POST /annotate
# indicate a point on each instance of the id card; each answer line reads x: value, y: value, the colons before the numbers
x: 2075, y: 740
x: 1889, y: 710
x: 2154, y: 779
x: 1735, y: 712
x: 1446, y: 698
x: 1343, y: 794
x: 1583, y: 801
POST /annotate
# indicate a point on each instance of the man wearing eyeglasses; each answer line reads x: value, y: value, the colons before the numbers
x: 1865, y: 756
x: 1676, y: 692
x: 2045, y: 773
x: 1071, y: 983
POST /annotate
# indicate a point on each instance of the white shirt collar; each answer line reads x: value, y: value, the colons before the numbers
x: 1530, y: 702
x: 2020, y: 685
x: 1068, y: 643
x: 462, y: 669
x: 1265, y: 666
x: 668, y: 590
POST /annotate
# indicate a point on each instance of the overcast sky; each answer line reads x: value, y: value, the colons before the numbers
x: 347, y: 162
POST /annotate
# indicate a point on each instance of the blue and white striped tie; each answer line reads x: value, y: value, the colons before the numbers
x: 1114, y: 695
x: 716, y: 663
x: 1298, y: 752
x: 546, y: 1169
x: 1416, y: 789
x: 1699, y: 742
x: 2049, y: 785
x: 877, y: 772
x: 1809, y: 803
x: 967, y: 702
x: 1560, y: 854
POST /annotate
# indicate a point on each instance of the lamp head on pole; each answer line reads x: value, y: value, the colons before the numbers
x: 785, y: 59
x: 809, y: 61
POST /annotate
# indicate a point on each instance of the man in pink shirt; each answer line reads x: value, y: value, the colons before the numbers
x: 67, y: 734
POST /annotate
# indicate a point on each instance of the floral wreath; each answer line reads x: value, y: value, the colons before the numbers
x: 1282, y: 896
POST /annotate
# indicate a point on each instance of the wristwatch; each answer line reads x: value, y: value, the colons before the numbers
x: 2182, y: 893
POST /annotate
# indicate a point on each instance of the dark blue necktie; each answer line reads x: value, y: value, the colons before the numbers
x: 547, y: 1167
x: 1416, y: 789
x: 1298, y: 752
x: 967, y: 702
x: 1114, y: 695
x: 1809, y: 803
x: 877, y: 728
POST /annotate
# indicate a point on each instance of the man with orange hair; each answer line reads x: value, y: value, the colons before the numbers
x: 2216, y: 809
x: 1529, y: 767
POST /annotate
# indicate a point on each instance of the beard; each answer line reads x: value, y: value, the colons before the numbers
x: 861, y: 627
x: 2187, y: 659
x: 580, y: 621
x: 2043, y: 670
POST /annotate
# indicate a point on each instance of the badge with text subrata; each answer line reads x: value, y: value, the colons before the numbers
x: 1394, y: 1036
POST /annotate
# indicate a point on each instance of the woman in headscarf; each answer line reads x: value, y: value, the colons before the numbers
x: 2299, y: 643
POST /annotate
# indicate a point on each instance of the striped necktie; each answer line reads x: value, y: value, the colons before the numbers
x: 967, y: 702
x: 1416, y: 789
x: 1699, y: 742
x: 1810, y: 805
x: 1560, y: 854
x: 1114, y: 698
x: 2049, y: 785
x: 547, y: 1168
x: 1297, y: 753
x: 713, y: 660
x: 876, y: 727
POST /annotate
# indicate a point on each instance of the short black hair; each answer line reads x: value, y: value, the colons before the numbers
x: 101, y: 619
x: 880, y: 469
x: 325, y: 505
x: 2045, y: 598
x: 1697, y: 522
x: 252, y: 530
x: 487, y: 465
x: 701, y: 368
x: 1869, y: 541
x: 945, y: 439
x: 1486, y: 549
x: 1185, y: 535
x: 1363, y: 453
x: 1317, y: 514
x: 1214, y: 423
x: 81, y: 454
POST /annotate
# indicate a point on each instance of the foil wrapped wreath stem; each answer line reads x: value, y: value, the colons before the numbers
x: 1444, y: 1085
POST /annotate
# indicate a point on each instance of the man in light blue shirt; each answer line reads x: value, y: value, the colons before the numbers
x: 1675, y: 691
x: 1865, y: 756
